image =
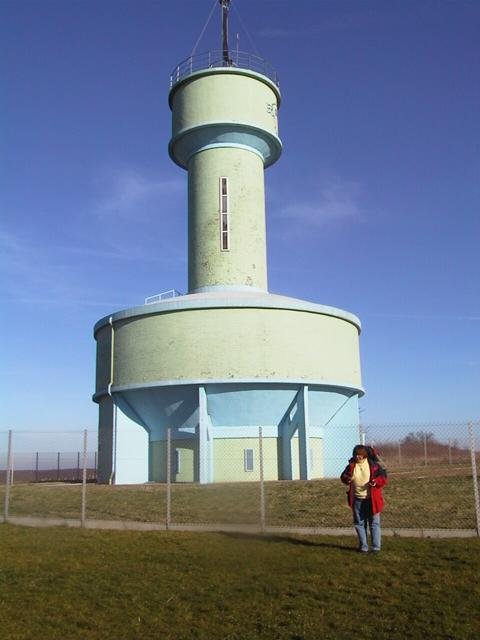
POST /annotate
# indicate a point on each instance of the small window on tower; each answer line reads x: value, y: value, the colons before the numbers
x: 224, y: 215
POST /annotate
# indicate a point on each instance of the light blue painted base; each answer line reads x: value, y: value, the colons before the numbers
x: 284, y: 411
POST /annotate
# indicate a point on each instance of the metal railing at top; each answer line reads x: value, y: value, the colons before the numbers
x: 214, y: 59
x: 158, y: 297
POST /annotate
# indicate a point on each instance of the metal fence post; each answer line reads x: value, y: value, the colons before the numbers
x: 262, y: 485
x: 169, y: 477
x: 399, y: 453
x: 425, y: 452
x: 36, y: 467
x: 58, y: 466
x: 471, y: 433
x: 363, y: 435
x: 8, y: 476
x: 84, y: 479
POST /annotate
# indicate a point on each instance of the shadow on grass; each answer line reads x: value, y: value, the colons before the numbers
x: 290, y: 540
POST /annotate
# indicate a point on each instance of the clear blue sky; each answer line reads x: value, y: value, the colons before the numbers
x: 374, y: 206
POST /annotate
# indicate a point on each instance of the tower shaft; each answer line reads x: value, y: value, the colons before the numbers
x: 226, y: 220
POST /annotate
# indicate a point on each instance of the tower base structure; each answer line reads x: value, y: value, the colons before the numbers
x: 213, y: 367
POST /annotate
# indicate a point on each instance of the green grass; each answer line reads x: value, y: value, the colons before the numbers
x: 86, y: 585
x: 426, y: 498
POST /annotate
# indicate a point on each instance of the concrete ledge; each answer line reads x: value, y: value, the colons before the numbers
x: 133, y: 525
x: 125, y: 525
x: 32, y: 521
x: 431, y: 533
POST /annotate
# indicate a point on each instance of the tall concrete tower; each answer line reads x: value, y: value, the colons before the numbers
x: 215, y: 364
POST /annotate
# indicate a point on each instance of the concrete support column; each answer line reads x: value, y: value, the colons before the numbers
x: 288, y: 427
x: 106, y: 439
x: 286, y: 453
x: 205, y: 443
x: 304, y: 434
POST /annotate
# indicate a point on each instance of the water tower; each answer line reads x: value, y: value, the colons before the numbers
x: 215, y: 364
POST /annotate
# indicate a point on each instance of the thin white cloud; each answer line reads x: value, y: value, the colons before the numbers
x: 37, y: 275
x: 115, y: 252
x: 21, y: 264
x: 9, y: 245
x: 128, y: 192
x: 336, y: 201
x: 37, y: 271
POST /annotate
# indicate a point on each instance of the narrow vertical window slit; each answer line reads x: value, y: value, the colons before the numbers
x: 248, y: 459
x: 224, y: 206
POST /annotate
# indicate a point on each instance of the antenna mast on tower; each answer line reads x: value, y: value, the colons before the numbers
x: 225, y: 4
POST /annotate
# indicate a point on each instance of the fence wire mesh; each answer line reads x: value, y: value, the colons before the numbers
x: 44, y: 474
x: 432, y: 470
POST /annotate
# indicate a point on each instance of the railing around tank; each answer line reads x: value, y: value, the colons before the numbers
x: 158, y: 297
x: 215, y: 59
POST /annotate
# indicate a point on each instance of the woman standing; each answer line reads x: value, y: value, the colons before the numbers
x: 365, y: 477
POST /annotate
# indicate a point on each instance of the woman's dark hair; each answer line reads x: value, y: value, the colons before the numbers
x: 371, y: 453
x: 360, y: 448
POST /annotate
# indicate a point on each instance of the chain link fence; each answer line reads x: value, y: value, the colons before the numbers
x: 44, y: 474
x: 432, y: 487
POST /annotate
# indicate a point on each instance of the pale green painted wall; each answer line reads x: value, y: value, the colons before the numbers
x: 104, y: 353
x: 229, y: 459
x: 315, y: 452
x: 245, y: 263
x: 157, y: 461
x: 316, y: 469
x: 236, y: 343
x: 188, y: 449
x: 224, y: 98
x: 295, y: 458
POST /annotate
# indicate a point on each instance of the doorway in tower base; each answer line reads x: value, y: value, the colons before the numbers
x: 315, y: 455
x: 184, y: 460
